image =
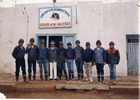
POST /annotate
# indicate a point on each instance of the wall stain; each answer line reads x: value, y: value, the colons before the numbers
x: 0, y: 34
x: 138, y: 5
x: 9, y: 42
x: 6, y: 65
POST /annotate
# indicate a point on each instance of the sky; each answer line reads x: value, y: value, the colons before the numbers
x: 12, y: 3
x: 41, y: 1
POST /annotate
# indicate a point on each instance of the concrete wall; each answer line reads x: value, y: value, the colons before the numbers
x: 96, y: 20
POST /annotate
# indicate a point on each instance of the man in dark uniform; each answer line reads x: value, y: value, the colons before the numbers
x: 99, y: 59
x: 88, y: 62
x: 69, y: 59
x: 61, y: 55
x: 52, y: 53
x: 112, y: 59
x: 18, y: 54
x: 43, y: 59
x: 79, y: 57
x: 32, y: 51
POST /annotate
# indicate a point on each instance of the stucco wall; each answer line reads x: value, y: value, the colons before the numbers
x: 120, y: 19
x: 96, y: 20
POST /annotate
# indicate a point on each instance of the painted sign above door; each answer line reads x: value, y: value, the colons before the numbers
x: 54, y: 17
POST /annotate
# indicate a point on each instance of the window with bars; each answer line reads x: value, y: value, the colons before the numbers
x: 133, y: 40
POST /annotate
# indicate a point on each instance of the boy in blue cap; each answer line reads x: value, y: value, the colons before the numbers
x: 18, y: 54
x: 79, y: 58
x: 113, y: 58
x: 52, y: 53
x: 88, y: 61
x: 69, y: 59
x: 43, y: 59
x: 61, y: 55
x: 99, y: 59
x: 32, y: 51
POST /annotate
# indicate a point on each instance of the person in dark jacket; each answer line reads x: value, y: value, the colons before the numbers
x: 69, y: 59
x: 88, y: 61
x: 113, y: 58
x: 43, y: 59
x: 79, y: 57
x: 61, y: 55
x: 32, y: 51
x: 52, y: 60
x: 18, y: 54
x: 99, y: 59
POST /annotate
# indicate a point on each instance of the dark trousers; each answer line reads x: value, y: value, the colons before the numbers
x: 20, y: 62
x: 43, y: 61
x: 30, y: 63
x: 79, y: 65
x: 100, y: 69
x: 60, y: 67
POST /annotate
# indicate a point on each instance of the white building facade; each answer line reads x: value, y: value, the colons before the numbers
x: 89, y: 21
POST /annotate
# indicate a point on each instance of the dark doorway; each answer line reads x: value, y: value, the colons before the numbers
x: 56, y: 39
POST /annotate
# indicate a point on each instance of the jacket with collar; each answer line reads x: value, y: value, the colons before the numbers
x: 52, y: 54
x: 43, y: 53
x: 113, y: 56
x: 99, y: 56
x: 69, y: 53
x: 18, y: 52
x: 79, y: 51
x: 61, y: 55
x: 88, y: 55
x: 32, y: 53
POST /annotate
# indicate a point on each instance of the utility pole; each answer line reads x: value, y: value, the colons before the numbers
x: 54, y: 1
x: 53, y: 8
x: 27, y: 24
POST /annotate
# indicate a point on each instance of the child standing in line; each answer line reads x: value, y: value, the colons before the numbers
x: 99, y: 59
x: 43, y: 59
x: 113, y: 58
x: 52, y: 51
x: 32, y: 51
x: 88, y: 62
x: 79, y: 57
x: 69, y: 60
x: 61, y: 55
x: 18, y: 54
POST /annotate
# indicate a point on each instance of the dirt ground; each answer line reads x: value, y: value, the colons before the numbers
x: 46, y: 90
x: 70, y: 95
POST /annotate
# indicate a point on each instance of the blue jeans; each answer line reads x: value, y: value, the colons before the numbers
x: 30, y: 63
x: 112, y: 68
x: 100, y: 69
x: 43, y: 61
x: 79, y: 64
x: 70, y: 65
x: 60, y: 67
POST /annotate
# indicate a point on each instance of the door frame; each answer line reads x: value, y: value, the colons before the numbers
x: 63, y: 37
x: 135, y: 36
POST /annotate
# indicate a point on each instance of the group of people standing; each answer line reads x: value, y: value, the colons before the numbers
x: 57, y: 57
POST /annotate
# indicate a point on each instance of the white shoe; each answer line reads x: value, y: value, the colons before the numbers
x: 87, y: 80
x: 91, y: 80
